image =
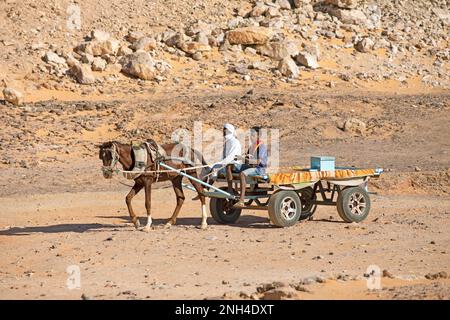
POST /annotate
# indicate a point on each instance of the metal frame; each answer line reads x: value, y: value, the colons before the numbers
x: 255, y: 193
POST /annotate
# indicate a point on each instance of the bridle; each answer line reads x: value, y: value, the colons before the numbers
x: 115, y: 159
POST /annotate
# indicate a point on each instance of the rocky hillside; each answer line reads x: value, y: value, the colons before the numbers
x: 95, y: 48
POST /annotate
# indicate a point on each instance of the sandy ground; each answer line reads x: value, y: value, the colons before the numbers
x: 44, y: 235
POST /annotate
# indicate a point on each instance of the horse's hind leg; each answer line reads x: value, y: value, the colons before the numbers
x: 199, y: 188
x: 136, y: 188
x: 178, y: 188
x: 148, y: 204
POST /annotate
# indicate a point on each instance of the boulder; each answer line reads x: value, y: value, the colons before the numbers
x: 82, y: 73
x: 284, y: 4
x: 97, y: 48
x: 282, y: 293
x: 249, y: 35
x: 193, y: 47
x: 288, y: 68
x: 365, y: 45
x: 52, y: 57
x: 245, y: 9
x: 355, y: 16
x: 13, y: 96
x: 344, y: 4
x: 259, y: 9
x: 144, y: 43
x: 307, y: 59
x: 139, y: 64
x: 99, y: 35
x: 98, y: 64
x: 280, y: 49
x: 354, y: 125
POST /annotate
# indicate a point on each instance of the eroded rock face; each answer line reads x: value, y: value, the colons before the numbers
x: 139, y: 64
x: 249, y: 35
x: 13, y: 96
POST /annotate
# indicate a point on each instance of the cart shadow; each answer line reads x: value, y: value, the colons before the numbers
x: 245, y: 221
x: 59, y: 228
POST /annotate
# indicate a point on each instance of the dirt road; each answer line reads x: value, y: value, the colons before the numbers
x: 44, y: 235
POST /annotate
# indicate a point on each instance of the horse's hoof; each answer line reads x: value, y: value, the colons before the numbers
x: 146, y: 229
x: 204, y: 226
x: 168, y: 225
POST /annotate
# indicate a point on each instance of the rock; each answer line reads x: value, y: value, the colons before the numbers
x: 139, y: 64
x: 308, y: 60
x: 98, y: 64
x: 280, y: 49
x: 344, y: 4
x: 134, y: 36
x: 387, y: 274
x: 96, y: 48
x: 281, y: 293
x: 417, y: 169
x: 52, y: 57
x: 365, y: 45
x: 350, y: 16
x: 245, y: 9
x: 269, y: 286
x: 124, y: 50
x: 82, y: 73
x: 193, y: 47
x: 442, y: 14
x: 284, y: 4
x: 144, y: 43
x: 439, y: 275
x: 288, y: 68
x: 259, y: 10
x: 249, y: 35
x: 13, y: 96
x: 354, y: 125
x: 177, y: 40
x: 99, y: 35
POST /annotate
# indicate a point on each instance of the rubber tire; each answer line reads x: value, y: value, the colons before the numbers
x: 274, y: 208
x: 345, y: 212
x: 217, y: 212
x: 309, y: 211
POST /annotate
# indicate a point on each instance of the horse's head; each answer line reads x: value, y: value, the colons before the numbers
x: 109, y: 155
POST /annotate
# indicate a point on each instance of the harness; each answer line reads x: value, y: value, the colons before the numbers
x: 157, y: 155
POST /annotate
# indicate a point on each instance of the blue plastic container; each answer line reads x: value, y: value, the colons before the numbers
x: 323, y: 163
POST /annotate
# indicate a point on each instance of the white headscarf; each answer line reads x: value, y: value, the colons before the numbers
x: 231, y: 130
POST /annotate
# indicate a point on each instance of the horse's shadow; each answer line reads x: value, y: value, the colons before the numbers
x: 58, y: 228
x: 245, y: 221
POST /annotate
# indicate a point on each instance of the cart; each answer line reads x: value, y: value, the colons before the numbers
x: 294, y: 194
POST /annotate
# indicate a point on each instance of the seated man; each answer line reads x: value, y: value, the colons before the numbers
x: 231, y: 153
x: 255, y: 165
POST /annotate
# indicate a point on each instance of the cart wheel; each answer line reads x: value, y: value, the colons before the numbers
x: 222, y: 209
x: 285, y: 208
x: 353, y: 204
x: 307, y: 195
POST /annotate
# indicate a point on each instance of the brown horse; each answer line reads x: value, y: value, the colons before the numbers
x: 112, y: 153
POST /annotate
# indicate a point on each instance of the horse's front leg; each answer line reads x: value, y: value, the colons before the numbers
x: 134, y: 219
x: 148, y: 204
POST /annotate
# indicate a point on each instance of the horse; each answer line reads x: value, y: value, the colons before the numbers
x: 113, y: 153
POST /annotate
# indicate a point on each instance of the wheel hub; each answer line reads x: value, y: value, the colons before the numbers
x: 288, y: 208
x: 357, y: 204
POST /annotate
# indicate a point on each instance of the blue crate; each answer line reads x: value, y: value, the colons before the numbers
x: 323, y: 163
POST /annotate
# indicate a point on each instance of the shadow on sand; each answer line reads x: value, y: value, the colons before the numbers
x: 58, y: 228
